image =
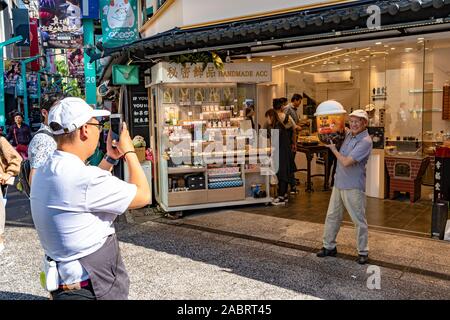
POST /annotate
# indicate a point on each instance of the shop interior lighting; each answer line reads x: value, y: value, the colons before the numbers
x: 306, y: 58
x: 325, y: 59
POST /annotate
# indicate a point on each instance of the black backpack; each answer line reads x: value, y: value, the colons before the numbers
x: 25, y: 169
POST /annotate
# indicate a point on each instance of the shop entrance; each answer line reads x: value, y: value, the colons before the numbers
x: 401, y: 83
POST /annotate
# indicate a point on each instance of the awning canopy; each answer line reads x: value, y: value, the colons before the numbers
x: 340, y: 23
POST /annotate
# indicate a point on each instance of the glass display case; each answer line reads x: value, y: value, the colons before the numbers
x: 207, y: 154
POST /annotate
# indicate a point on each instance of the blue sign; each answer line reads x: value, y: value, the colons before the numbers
x: 89, y: 9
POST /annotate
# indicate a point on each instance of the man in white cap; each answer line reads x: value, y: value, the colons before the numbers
x: 374, y: 118
x: 349, y: 188
x: 74, y: 206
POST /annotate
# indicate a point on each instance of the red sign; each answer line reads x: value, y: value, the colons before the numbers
x: 34, y: 43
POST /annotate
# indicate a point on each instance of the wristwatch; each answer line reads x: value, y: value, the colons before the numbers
x: 111, y: 160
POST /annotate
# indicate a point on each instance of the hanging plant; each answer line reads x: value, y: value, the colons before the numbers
x: 202, y: 58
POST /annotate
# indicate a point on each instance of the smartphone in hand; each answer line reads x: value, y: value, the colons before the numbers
x: 116, y: 126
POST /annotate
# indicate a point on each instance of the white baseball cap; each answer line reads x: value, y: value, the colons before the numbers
x: 71, y: 113
x: 360, y: 114
x: 370, y: 107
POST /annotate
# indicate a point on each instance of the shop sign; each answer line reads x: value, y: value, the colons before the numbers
x: 34, y: 43
x: 119, y: 22
x: 139, y: 109
x: 124, y: 74
x: 165, y: 72
x: 60, y: 24
x: 75, y: 60
x: 21, y: 25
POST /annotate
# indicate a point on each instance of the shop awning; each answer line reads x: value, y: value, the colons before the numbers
x: 340, y: 23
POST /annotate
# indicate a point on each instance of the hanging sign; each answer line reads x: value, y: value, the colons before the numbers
x: 21, y: 25
x: 195, y: 73
x: 60, y: 24
x: 119, y: 22
x: 75, y: 61
x: 34, y: 43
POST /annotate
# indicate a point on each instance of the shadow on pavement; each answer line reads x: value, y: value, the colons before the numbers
x: 6, y: 295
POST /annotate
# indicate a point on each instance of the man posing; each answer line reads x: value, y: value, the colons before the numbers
x: 349, y: 187
x: 74, y: 205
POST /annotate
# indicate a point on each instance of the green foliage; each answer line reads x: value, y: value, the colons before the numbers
x: 201, y: 57
x: 70, y: 86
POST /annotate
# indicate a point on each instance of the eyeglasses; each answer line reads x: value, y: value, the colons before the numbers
x: 98, y: 125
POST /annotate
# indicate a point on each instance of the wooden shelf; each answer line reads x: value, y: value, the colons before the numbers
x: 187, y: 197
x: 185, y: 170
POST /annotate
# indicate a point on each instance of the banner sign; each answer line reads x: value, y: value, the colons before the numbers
x: 60, y: 24
x: 21, y: 25
x: 195, y: 73
x: 11, y: 76
x: 119, y: 22
x: 75, y: 60
x: 89, y: 9
x: 34, y: 43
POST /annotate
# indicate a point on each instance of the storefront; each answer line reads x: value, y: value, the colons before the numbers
x: 207, y: 154
x: 396, y: 70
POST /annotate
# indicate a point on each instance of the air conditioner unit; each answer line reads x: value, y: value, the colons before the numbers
x: 333, y: 76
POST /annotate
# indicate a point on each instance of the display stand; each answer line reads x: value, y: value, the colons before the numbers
x: 193, y: 109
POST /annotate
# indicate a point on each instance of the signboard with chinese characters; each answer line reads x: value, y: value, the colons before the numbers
x: 442, y: 174
x: 165, y: 72
x: 119, y: 22
x: 139, y: 109
x: 60, y: 24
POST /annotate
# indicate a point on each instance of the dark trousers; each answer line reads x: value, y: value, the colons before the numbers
x: 282, y: 188
x: 292, y: 180
x: 85, y: 293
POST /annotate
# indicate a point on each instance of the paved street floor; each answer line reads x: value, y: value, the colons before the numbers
x: 218, y: 256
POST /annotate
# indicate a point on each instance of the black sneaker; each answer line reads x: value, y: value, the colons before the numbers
x: 363, y: 259
x: 293, y: 191
x: 280, y: 201
x: 326, y: 253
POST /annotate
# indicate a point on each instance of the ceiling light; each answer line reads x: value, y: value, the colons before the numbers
x: 273, y: 56
x: 392, y: 48
x: 420, y: 39
x: 378, y: 43
x: 261, y: 60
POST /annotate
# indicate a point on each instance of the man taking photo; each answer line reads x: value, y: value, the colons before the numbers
x: 74, y: 205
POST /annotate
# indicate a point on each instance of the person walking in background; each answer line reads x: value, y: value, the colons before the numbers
x: 349, y: 188
x: 19, y: 135
x: 9, y: 168
x: 43, y: 144
x: 74, y: 205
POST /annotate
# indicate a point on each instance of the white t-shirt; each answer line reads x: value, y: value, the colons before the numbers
x: 73, y: 208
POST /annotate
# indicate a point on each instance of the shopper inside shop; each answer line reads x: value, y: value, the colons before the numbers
x: 283, y: 149
x: 292, y: 127
x: 349, y: 189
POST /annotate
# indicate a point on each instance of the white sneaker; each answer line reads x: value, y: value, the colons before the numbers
x: 279, y: 201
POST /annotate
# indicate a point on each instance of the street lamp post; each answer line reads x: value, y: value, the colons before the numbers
x: 2, y: 82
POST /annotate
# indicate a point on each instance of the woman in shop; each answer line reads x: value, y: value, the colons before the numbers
x: 283, y: 149
x: 19, y: 135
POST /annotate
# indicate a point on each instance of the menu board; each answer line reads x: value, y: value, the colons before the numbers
x: 139, y: 109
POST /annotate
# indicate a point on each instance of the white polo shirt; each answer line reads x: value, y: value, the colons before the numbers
x: 73, y: 208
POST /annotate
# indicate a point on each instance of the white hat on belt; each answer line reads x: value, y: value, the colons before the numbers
x: 360, y: 114
x: 72, y: 113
